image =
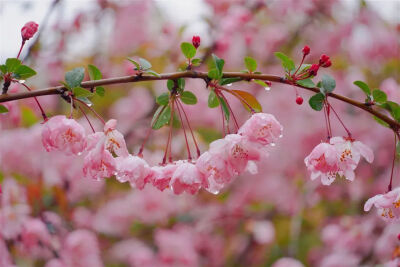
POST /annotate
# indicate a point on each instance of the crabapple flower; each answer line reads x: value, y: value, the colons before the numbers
x: 313, y: 70
x: 115, y: 142
x: 63, y: 134
x: 196, y: 41
x: 287, y: 262
x: 323, y: 162
x: 350, y: 152
x: 186, y: 178
x: 388, y: 204
x: 99, y: 163
x: 134, y: 170
x: 161, y: 175
x: 262, y: 128
x: 29, y: 30
x: 306, y: 50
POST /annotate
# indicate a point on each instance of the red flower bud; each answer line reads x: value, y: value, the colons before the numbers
x: 327, y: 64
x: 306, y: 50
x: 323, y: 59
x: 299, y: 100
x: 398, y: 236
x: 29, y: 30
x: 196, y: 41
x: 313, y: 70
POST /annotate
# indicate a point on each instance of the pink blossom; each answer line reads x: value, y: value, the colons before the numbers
x: 134, y: 252
x: 186, y: 178
x: 262, y: 128
x: 161, y: 175
x: 287, y: 262
x: 62, y: 134
x: 387, y: 204
x: 350, y: 152
x: 99, y: 163
x: 134, y: 170
x: 29, y: 30
x: 5, y: 257
x: 263, y: 231
x: 115, y: 142
x: 36, y: 239
x: 323, y: 162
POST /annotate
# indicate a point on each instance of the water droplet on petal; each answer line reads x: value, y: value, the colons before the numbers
x: 273, y: 144
x: 229, y: 84
x: 281, y: 136
x: 79, y: 153
x: 267, y: 88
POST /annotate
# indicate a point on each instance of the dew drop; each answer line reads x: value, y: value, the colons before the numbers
x: 79, y: 153
x: 229, y: 84
x: 267, y: 88
x: 89, y: 104
x: 281, y: 136
x: 273, y: 144
x: 21, y: 81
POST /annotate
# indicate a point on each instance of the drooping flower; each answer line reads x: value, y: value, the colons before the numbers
x: 350, y: 152
x: 62, y: 134
x: 186, y: 178
x: 388, y: 205
x: 161, y: 175
x: 29, y: 30
x: 99, y: 163
x: 115, y: 142
x: 323, y: 162
x: 262, y: 128
x: 134, y: 170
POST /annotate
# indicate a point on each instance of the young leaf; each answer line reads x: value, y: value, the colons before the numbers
x: 317, y: 101
x: 163, y: 99
x: 188, y: 98
x: 379, y: 96
x: 85, y: 100
x: 94, y: 72
x: 225, y: 81
x: 286, y: 61
x: 262, y: 83
x: 381, y: 122
x: 81, y: 92
x: 196, y: 62
x: 328, y: 84
x: 248, y: 98
x: 219, y: 64
x: 100, y: 91
x: 3, y: 69
x: 188, y: 50
x: 213, y: 74
x: 137, y: 65
x: 212, y: 100
x: 161, y: 117
x: 75, y: 77
x: 363, y: 86
x: 181, y: 84
x: 24, y: 72
x: 3, y: 109
x: 224, y: 108
x: 306, y: 83
x: 152, y: 72
x: 12, y: 64
x: 144, y: 64
x: 170, y: 85
x: 250, y: 63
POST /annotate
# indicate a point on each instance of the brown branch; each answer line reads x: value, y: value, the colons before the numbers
x: 199, y: 75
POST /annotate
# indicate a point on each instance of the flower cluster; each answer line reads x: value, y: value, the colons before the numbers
x: 106, y: 155
x: 387, y: 204
x: 339, y: 157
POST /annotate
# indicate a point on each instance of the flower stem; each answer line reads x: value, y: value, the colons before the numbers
x: 394, y: 158
x: 184, y: 131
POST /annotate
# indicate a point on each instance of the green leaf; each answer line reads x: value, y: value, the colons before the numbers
x: 81, y: 92
x: 224, y: 108
x: 317, y: 101
x: 225, y: 81
x: 94, y: 72
x: 28, y: 117
x: 181, y: 84
x: 75, y: 77
x: 85, y: 100
x: 363, y: 86
x: 213, y: 100
x: 219, y: 65
x: 144, y: 64
x: 328, y: 84
x: 304, y: 67
x: 393, y: 108
x: 12, y: 64
x: 163, y: 99
x: 213, y: 74
x: 381, y: 122
x: 262, y: 83
x: 3, y: 69
x: 137, y: 65
x: 196, y: 62
x: 152, y: 72
x: 188, y: 98
x: 161, y: 117
x: 24, y: 72
x: 379, y: 96
x: 306, y: 83
x: 100, y: 91
x: 250, y: 63
x: 286, y: 61
x: 170, y: 85
x: 3, y: 109
x: 250, y: 99
x: 188, y: 50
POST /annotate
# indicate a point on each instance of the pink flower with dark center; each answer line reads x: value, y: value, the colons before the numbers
x: 99, y: 163
x: 186, y: 178
x: 262, y: 128
x: 350, y: 152
x: 388, y: 205
x: 29, y: 30
x: 323, y: 162
x: 134, y: 170
x: 62, y: 134
x: 161, y: 175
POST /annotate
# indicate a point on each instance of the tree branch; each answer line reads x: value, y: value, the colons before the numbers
x: 196, y: 75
